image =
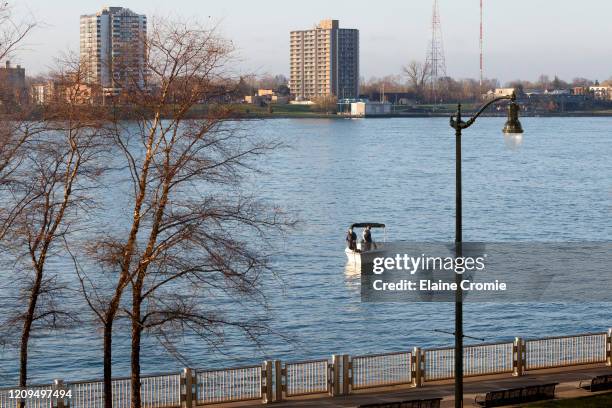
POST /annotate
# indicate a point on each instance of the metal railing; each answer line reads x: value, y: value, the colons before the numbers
x: 157, y: 391
x: 161, y: 391
x: 88, y: 394
x: 121, y: 393
x: 273, y: 381
x: 481, y: 359
x: 439, y: 364
x: 566, y: 351
x: 379, y: 370
x: 227, y: 385
x: 306, y: 377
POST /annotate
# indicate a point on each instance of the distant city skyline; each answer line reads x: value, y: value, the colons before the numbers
x: 523, y: 39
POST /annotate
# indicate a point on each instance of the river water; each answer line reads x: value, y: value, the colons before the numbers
x: 555, y: 187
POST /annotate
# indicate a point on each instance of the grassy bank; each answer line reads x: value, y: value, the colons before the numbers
x: 280, y: 111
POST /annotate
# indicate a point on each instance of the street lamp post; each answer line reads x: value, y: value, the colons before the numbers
x: 512, y: 126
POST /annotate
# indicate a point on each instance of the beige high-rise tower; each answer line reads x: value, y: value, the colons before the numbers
x: 113, y: 48
x: 324, y: 61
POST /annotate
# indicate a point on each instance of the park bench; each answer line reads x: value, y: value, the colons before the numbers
x: 599, y: 383
x: 520, y: 395
x: 422, y: 403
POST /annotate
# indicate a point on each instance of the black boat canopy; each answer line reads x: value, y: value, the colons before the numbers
x: 368, y: 224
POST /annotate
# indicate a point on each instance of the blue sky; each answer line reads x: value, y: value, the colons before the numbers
x: 523, y: 38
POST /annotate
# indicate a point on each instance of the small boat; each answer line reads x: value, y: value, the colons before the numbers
x: 364, y: 253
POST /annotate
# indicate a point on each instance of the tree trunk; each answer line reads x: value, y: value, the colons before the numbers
x: 108, y: 367
x: 23, y: 358
x: 23, y: 354
x: 25, y: 334
x: 135, y: 357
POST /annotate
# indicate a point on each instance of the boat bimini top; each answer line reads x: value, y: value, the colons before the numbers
x: 371, y: 225
x: 368, y: 224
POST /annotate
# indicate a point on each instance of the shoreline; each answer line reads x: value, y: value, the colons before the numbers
x: 426, y: 115
x: 420, y: 115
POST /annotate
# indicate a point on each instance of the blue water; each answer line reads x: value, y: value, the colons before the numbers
x: 555, y: 187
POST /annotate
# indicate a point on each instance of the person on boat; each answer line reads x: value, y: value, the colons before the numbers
x: 351, y: 240
x: 367, y: 238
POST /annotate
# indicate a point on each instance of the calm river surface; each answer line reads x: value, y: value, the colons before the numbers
x: 556, y: 187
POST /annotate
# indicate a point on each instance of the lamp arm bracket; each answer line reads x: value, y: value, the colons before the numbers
x: 471, y: 121
x: 457, y: 125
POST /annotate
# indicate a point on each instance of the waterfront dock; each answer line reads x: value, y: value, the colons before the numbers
x: 351, y: 380
x: 567, y: 377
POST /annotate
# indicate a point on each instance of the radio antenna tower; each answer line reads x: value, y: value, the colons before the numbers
x: 481, y: 48
x: 435, y: 57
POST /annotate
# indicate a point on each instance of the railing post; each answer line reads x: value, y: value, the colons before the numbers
x: 417, y: 374
x: 194, y: 388
x: 59, y: 385
x: 335, y: 375
x: 187, y: 397
x: 519, y: 357
x: 346, y: 378
x: 267, y: 392
x: 609, y: 348
x: 278, y: 377
x: 423, y: 366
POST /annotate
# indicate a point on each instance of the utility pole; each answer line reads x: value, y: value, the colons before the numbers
x: 481, y: 48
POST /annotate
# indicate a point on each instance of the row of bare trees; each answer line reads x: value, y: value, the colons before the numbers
x: 416, y: 80
x: 194, y: 232
x: 544, y: 82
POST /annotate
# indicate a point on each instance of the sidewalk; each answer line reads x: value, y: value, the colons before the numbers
x: 567, y: 377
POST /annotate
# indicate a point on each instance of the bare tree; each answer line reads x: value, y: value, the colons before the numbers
x: 188, y: 239
x: 558, y: 83
x: 543, y: 82
x: 269, y: 81
x: 14, y: 131
x: 47, y: 187
x: 470, y: 90
x: 327, y: 104
x: 418, y: 75
x: 581, y: 82
x: 607, y: 82
x: 376, y: 87
x: 12, y: 32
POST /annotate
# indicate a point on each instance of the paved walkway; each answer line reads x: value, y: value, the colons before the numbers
x: 568, y: 380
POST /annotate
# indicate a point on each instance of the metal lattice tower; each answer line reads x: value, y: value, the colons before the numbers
x: 435, y: 56
x: 481, y: 48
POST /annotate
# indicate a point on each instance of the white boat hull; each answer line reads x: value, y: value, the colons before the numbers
x: 364, y: 257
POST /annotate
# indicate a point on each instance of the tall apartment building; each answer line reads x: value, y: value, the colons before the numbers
x: 112, y: 48
x: 324, y: 61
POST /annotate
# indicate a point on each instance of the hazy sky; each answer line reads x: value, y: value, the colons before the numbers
x: 523, y: 38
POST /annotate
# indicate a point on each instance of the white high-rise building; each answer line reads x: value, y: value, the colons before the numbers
x: 112, y: 48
